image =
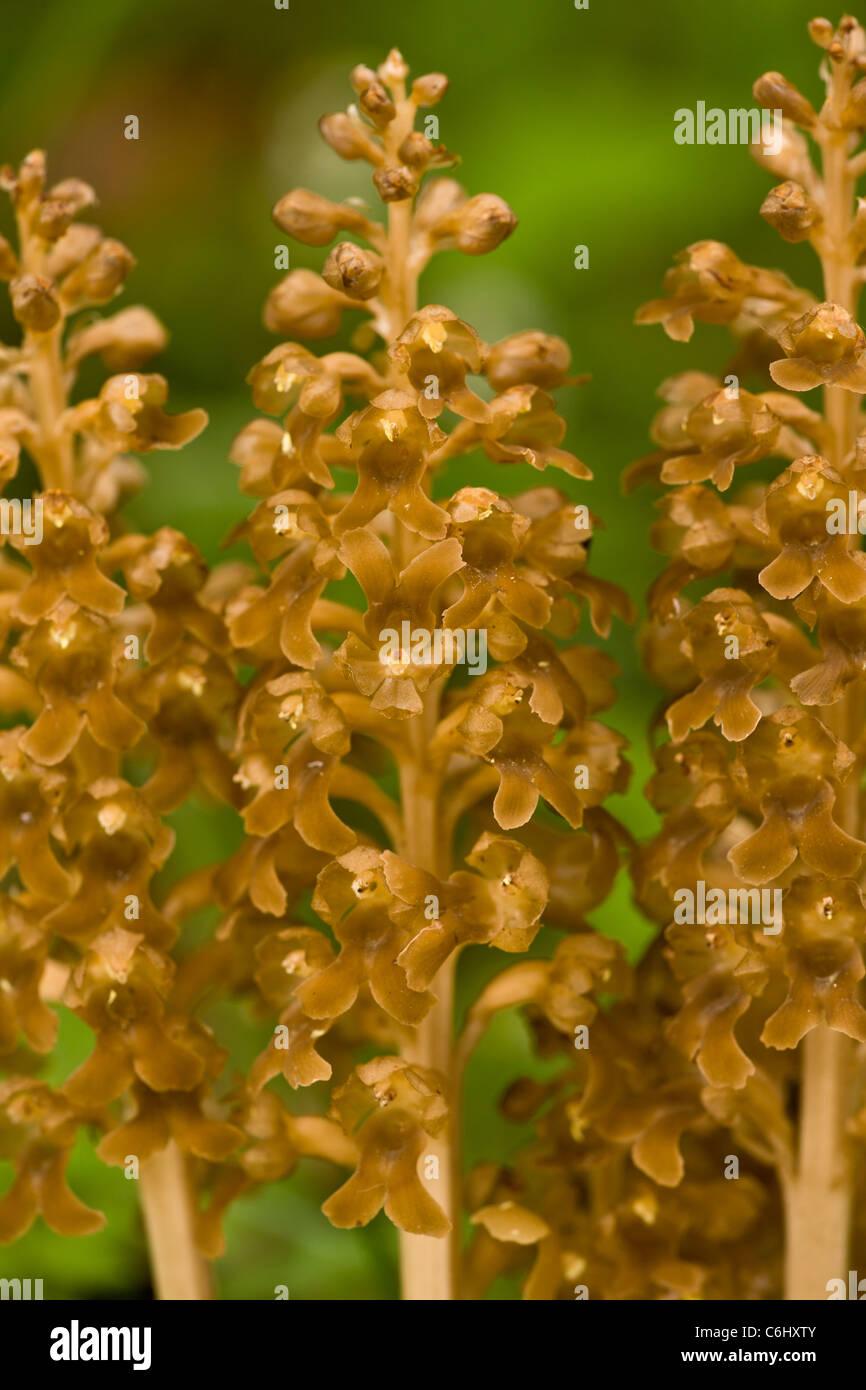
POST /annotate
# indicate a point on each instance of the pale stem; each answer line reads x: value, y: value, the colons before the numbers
x: 179, y: 1271
x: 818, y: 1198
x: 818, y: 1194
x: 429, y: 1266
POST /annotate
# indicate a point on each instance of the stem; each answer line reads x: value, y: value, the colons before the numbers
x: 818, y: 1195
x: 429, y: 1267
x: 179, y: 1271
x: 818, y: 1198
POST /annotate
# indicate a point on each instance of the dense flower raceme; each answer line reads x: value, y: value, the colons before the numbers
x: 114, y: 652
x: 389, y: 795
x: 756, y: 631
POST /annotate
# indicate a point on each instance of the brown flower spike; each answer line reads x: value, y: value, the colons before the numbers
x: 760, y: 784
x: 459, y: 672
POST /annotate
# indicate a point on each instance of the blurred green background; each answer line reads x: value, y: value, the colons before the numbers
x: 567, y: 114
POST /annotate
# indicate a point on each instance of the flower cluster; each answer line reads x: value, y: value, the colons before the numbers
x: 757, y: 783
x: 389, y: 797
x: 113, y: 646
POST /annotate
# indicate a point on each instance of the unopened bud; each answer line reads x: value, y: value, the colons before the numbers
x: 352, y: 270
x: 481, y: 224
x: 33, y: 303
x: 791, y: 211
x: 821, y: 32
x: 314, y: 220
x: 99, y: 276
x: 72, y: 248
x: 125, y: 340
x: 429, y: 89
x: 361, y: 77
x: 377, y: 106
x: 416, y: 150
x: 62, y: 204
x: 395, y: 68
x: 396, y: 184
x: 791, y: 161
x: 25, y: 184
x: 531, y: 358
x: 439, y: 198
x: 775, y: 93
x: 348, y: 139
x: 303, y: 306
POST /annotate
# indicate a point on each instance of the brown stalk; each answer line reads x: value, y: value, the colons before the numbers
x: 428, y: 1266
x: 818, y: 1195
x: 179, y: 1272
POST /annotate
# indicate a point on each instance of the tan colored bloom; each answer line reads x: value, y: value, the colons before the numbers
x: 37, y: 1131
x: 796, y: 512
x: 389, y: 443
x: 823, y: 347
x: 65, y: 562
x: 72, y: 659
x: 711, y: 284
x: 128, y: 414
x: 407, y: 1105
x: 436, y: 351
x: 499, y: 904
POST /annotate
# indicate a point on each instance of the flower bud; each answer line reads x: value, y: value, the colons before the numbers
x: 377, y: 106
x: 791, y: 161
x: 353, y: 271
x: 775, y: 93
x: 480, y: 225
x: 429, y: 89
x: 64, y: 202
x: 125, y: 340
x: 361, y: 77
x: 791, y: 211
x: 438, y: 199
x: 33, y: 303
x: 314, y: 220
x: 395, y: 68
x: 25, y: 185
x: 99, y: 277
x: 348, y: 139
x: 531, y: 358
x: 303, y: 306
x: 821, y: 32
x: 73, y: 247
x: 416, y: 150
x: 396, y: 184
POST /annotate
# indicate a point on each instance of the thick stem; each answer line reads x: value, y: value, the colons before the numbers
x: 818, y: 1194
x: 818, y: 1198
x: 428, y: 1265
x: 179, y: 1271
